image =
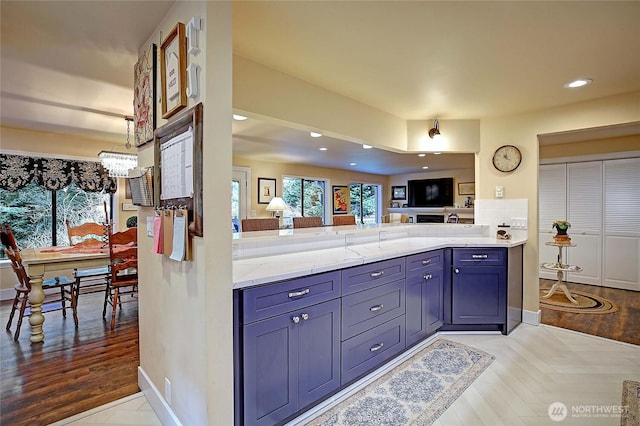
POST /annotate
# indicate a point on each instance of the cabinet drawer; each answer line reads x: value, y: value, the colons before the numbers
x: 372, y: 275
x: 369, y: 308
x: 368, y: 350
x: 418, y: 263
x: 277, y: 298
x: 480, y: 256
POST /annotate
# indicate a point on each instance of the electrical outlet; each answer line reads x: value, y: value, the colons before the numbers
x: 167, y: 390
x: 518, y: 222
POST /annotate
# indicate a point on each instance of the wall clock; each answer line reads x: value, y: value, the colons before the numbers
x: 507, y: 158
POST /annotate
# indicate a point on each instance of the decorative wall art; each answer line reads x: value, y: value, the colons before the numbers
x: 266, y: 190
x: 398, y: 192
x: 340, y: 199
x: 144, y: 96
x: 173, y: 71
x: 466, y: 188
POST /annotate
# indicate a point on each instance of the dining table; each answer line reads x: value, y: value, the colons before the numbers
x: 39, y: 261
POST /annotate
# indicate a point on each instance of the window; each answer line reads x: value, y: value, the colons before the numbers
x: 365, y: 202
x: 304, y: 197
x: 30, y: 213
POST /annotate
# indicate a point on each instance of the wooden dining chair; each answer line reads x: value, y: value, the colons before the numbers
x: 260, y: 224
x: 53, y: 301
x: 123, y: 265
x: 88, y: 234
x: 307, y: 222
x: 344, y: 220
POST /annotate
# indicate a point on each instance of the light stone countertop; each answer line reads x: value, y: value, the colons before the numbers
x: 249, y: 272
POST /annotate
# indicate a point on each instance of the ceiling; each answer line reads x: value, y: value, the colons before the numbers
x: 71, y: 70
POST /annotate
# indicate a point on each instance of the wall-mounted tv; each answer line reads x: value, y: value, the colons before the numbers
x: 430, y: 192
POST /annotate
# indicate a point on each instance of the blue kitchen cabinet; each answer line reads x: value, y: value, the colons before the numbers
x: 292, y: 359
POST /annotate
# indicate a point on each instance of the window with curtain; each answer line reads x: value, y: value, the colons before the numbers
x: 37, y: 196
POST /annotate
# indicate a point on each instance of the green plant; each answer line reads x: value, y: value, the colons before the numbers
x: 561, y: 225
x: 132, y: 222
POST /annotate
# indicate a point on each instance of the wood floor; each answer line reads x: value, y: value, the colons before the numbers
x: 80, y: 369
x: 623, y: 325
x: 74, y: 370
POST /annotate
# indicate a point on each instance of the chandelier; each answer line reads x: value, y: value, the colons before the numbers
x: 119, y: 163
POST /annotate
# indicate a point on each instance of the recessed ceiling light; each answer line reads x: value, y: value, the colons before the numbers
x: 437, y: 153
x: 425, y: 167
x: 578, y: 83
x: 239, y: 117
x: 322, y: 148
x: 315, y: 134
x: 422, y: 155
x: 365, y: 146
x: 353, y: 164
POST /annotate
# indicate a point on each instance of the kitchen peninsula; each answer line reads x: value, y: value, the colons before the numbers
x: 316, y: 309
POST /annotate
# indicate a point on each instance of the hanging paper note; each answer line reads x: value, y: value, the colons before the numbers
x: 157, y: 235
x: 179, y: 240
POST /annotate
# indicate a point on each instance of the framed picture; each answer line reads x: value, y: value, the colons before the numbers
x: 173, y: 71
x: 266, y: 190
x: 144, y: 96
x: 128, y: 207
x: 340, y: 199
x: 466, y: 188
x: 398, y: 192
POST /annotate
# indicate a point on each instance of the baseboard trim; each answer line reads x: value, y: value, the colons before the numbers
x: 531, y: 317
x: 156, y: 400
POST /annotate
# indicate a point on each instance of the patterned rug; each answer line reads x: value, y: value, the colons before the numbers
x: 416, y: 392
x: 631, y: 402
x: 587, y: 303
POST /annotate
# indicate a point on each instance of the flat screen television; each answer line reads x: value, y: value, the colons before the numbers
x: 430, y: 192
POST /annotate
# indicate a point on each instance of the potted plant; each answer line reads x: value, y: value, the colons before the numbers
x: 561, y: 227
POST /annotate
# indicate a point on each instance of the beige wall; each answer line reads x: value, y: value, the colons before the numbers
x: 278, y: 170
x: 593, y: 147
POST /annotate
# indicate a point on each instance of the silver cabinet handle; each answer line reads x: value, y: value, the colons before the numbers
x: 426, y: 262
x: 305, y: 316
x: 376, y: 347
x: 479, y: 256
x: 457, y: 271
x: 376, y: 307
x: 296, y: 319
x: 299, y: 293
x: 377, y: 274
x: 427, y: 276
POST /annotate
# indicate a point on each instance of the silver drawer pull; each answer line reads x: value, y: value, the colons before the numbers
x: 479, y: 256
x: 376, y: 347
x: 427, y: 276
x: 299, y: 293
x: 305, y: 316
x: 426, y: 262
x: 376, y: 307
x: 457, y: 271
x: 296, y: 319
x: 377, y: 274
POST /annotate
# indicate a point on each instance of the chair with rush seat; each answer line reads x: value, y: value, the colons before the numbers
x: 307, y: 222
x: 53, y: 301
x: 260, y: 224
x: 344, y: 220
x: 123, y: 265
x: 89, y: 234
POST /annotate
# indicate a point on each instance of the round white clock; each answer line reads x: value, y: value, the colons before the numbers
x: 507, y: 158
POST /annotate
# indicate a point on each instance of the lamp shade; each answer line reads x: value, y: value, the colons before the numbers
x: 276, y: 204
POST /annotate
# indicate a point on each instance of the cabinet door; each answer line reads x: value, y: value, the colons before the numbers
x: 478, y: 295
x: 319, y: 351
x: 425, y: 304
x: 270, y: 370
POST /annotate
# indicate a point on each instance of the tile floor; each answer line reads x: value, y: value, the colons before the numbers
x: 534, y: 367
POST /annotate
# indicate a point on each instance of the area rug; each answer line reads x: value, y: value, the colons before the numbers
x: 631, y: 403
x: 587, y: 303
x: 416, y: 392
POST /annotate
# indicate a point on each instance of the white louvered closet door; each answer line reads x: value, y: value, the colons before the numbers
x: 622, y: 223
x: 584, y: 212
x: 552, y: 202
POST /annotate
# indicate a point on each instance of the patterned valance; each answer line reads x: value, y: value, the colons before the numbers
x: 17, y: 171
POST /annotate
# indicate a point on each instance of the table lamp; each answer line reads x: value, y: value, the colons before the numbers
x: 276, y: 205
